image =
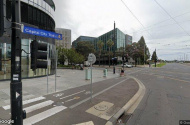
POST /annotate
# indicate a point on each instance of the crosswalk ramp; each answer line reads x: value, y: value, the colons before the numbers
x: 38, y: 109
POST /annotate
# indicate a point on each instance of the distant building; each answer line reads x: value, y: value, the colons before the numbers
x: 84, y: 39
x: 66, y: 34
x: 128, y: 39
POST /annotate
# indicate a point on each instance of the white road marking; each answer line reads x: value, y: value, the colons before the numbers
x: 58, y: 95
x: 26, y: 102
x: 72, y: 94
x: 43, y: 115
x: 85, y: 123
x: 94, y: 95
x: 24, y: 98
x: 38, y: 106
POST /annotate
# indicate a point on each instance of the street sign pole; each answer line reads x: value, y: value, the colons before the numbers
x: 91, y: 80
x: 92, y: 60
x: 47, y: 65
x: 16, y: 84
x: 56, y: 69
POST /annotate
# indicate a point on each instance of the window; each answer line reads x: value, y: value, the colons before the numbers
x: 34, y: 16
x: 24, y: 11
x: 30, y: 18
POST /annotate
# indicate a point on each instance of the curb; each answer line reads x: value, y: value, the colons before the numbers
x: 136, y: 98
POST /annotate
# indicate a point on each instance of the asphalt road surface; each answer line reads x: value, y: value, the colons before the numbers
x: 167, y: 98
x: 74, y: 105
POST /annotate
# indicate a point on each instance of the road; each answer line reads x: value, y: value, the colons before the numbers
x: 74, y: 106
x: 167, y: 97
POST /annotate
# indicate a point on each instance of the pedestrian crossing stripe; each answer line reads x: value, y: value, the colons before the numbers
x: 26, y: 102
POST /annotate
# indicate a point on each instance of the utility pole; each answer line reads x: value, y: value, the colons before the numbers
x: 123, y: 54
x: 114, y: 40
x: 144, y: 54
x: 16, y: 79
x: 155, y: 58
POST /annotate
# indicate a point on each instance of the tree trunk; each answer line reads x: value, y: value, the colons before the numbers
x: 99, y: 59
x: 109, y: 57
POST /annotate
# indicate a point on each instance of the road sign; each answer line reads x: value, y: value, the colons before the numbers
x: 91, y: 58
x: 43, y: 33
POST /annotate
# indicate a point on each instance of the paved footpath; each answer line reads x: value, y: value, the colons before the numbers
x: 66, y: 79
x: 74, y: 106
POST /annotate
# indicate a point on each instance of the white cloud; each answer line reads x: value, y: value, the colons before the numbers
x: 95, y: 17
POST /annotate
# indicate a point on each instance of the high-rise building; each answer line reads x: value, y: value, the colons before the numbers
x: 66, y: 41
x: 128, y: 39
x: 119, y: 40
x: 36, y: 14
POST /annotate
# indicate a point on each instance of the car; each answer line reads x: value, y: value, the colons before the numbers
x: 128, y: 66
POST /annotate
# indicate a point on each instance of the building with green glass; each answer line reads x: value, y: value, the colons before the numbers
x: 119, y: 40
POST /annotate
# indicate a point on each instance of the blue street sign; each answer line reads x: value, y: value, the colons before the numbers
x: 43, y: 33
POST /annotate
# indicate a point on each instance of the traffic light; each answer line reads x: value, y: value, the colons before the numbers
x: 38, y: 55
x: 1, y: 17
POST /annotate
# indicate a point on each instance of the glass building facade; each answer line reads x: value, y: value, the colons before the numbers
x: 37, y: 14
x: 119, y: 40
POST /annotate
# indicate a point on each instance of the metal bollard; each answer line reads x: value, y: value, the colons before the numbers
x: 114, y: 70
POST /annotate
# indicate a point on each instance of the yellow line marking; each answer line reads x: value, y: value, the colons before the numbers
x: 172, y: 72
x: 169, y: 78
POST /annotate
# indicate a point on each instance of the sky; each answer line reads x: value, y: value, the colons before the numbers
x: 166, y: 30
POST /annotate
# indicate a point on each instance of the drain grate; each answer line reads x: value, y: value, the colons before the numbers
x: 122, y: 120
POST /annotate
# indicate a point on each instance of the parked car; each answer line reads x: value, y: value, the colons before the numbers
x: 128, y: 66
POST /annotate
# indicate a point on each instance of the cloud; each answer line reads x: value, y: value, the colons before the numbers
x: 96, y: 17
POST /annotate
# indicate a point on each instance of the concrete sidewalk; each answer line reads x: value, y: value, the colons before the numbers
x: 66, y: 79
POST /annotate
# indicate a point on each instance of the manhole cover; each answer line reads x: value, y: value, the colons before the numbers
x: 101, y: 107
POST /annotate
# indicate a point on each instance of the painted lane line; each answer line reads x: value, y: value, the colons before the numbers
x: 169, y: 78
x: 26, y: 102
x: 38, y: 106
x: 75, y: 98
x: 94, y: 95
x: 58, y: 95
x: 43, y: 115
x: 72, y: 94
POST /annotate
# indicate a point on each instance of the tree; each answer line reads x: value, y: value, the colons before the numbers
x: 154, y: 57
x: 85, y: 48
x: 62, y: 55
x: 70, y: 55
x: 100, y: 45
x: 110, y: 43
x: 144, y: 51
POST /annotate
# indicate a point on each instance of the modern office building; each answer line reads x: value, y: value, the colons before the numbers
x: 128, y: 39
x: 119, y: 40
x: 66, y: 38
x: 36, y: 14
x: 83, y: 39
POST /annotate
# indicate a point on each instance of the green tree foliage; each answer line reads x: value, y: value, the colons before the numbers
x: 138, y: 50
x: 154, y: 56
x: 70, y: 55
x: 109, y: 43
x: 85, y: 48
x: 100, y: 45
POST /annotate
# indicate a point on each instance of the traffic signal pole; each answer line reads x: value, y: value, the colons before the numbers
x: 16, y: 81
